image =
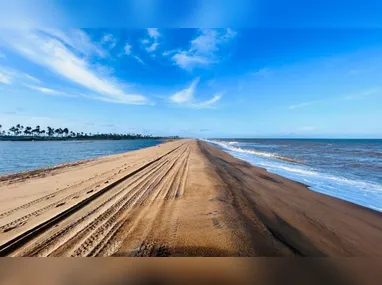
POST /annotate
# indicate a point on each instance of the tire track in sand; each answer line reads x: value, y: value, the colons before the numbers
x: 111, y: 230
x: 100, y: 226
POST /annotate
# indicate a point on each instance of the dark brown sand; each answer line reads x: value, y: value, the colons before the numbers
x: 181, y: 198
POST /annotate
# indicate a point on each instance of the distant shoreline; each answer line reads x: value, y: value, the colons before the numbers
x: 88, y: 138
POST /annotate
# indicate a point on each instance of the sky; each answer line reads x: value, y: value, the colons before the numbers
x: 265, y: 69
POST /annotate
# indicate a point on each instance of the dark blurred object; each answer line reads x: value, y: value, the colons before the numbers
x: 106, y: 271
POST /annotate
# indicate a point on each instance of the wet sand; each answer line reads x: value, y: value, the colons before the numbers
x: 180, y: 198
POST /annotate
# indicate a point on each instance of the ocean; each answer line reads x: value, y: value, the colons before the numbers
x: 344, y: 168
x: 20, y: 156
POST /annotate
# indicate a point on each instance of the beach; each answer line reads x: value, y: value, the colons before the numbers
x: 179, y: 198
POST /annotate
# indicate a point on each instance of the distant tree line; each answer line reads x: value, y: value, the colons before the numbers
x: 20, y: 132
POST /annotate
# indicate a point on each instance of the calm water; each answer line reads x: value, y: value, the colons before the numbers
x: 20, y: 156
x: 346, y: 169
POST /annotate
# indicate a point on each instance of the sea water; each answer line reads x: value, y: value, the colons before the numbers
x: 18, y: 156
x: 347, y: 169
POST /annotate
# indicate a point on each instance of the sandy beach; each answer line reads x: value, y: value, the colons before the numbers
x: 180, y: 198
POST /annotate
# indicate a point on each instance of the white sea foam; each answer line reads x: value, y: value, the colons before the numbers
x: 230, y: 146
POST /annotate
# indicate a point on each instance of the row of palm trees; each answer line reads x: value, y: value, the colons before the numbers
x: 21, y: 132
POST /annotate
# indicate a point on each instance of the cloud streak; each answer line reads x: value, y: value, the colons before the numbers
x: 5, y: 78
x: 48, y: 91
x: 12, y: 76
x: 77, y: 40
x: 304, y: 104
x: 139, y: 59
x: 50, y: 52
x: 186, y: 97
x: 208, y: 103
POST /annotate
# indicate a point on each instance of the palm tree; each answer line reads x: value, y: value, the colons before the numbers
x: 59, y: 131
x: 42, y: 132
x: 36, y: 130
x: 65, y: 131
x: 14, y: 130
x: 50, y: 131
x: 28, y: 131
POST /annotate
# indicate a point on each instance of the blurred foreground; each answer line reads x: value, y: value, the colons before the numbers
x: 189, y: 271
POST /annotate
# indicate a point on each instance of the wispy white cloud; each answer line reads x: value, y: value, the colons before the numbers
x: 263, y: 72
x: 127, y: 49
x: 32, y: 78
x: 153, y: 33
x: 48, y: 91
x: 208, y: 103
x: 203, y: 50
x: 189, y: 61
x: 169, y: 52
x: 186, y: 97
x: 2, y: 55
x: 151, y: 44
x: 7, y: 75
x: 152, y: 47
x: 139, y: 59
x: 145, y: 41
x: 48, y: 51
x: 5, y: 78
x: 77, y: 40
x: 12, y: 76
x: 109, y: 40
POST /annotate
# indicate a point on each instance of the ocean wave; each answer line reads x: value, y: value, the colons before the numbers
x: 374, y: 153
x: 230, y: 146
x: 366, y: 186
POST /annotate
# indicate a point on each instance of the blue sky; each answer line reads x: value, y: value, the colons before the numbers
x: 260, y: 78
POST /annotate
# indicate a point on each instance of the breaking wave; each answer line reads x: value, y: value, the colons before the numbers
x: 231, y: 146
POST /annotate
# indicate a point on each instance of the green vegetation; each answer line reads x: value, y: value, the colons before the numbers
x: 21, y: 133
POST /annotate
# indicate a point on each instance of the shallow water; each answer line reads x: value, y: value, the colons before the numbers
x: 346, y: 169
x: 20, y: 156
